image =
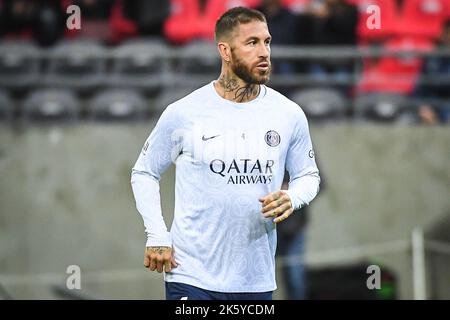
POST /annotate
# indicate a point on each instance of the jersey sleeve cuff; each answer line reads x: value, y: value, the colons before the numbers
x: 164, y: 241
x: 295, y: 201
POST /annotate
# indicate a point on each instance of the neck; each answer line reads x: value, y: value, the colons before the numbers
x: 232, y: 88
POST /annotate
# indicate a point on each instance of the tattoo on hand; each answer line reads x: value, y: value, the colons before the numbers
x: 159, y: 250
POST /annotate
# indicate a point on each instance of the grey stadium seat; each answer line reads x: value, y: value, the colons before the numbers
x: 117, y: 104
x: 76, y: 64
x: 19, y: 64
x: 386, y: 107
x: 321, y: 103
x: 200, y: 58
x: 6, y: 106
x: 51, y: 104
x: 139, y: 63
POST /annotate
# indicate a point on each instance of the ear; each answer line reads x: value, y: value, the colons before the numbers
x: 224, y: 51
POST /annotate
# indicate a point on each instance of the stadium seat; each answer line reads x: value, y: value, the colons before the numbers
x: 423, y: 18
x: 417, y: 18
x: 6, y: 106
x: 200, y: 60
x: 187, y: 21
x: 383, y: 107
x: 19, y: 64
x: 395, y: 74
x: 139, y: 63
x: 319, y: 103
x: 76, y: 64
x: 117, y: 104
x: 51, y: 104
x: 388, y: 20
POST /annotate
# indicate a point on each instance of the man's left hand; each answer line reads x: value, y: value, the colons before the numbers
x: 276, y: 205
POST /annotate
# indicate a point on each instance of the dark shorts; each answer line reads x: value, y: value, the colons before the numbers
x: 178, y: 291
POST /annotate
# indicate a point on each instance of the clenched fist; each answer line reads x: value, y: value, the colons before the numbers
x: 277, y: 205
x: 159, y: 257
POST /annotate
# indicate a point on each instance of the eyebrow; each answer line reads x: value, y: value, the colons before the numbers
x: 256, y: 38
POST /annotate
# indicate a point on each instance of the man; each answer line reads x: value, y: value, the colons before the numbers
x: 231, y: 141
x: 279, y: 19
x: 434, y: 107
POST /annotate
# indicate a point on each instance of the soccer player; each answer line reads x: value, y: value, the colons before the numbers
x: 231, y: 141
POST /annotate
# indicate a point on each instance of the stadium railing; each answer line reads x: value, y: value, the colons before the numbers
x: 158, y: 69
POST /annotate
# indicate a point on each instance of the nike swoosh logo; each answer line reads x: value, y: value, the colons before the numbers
x: 205, y: 139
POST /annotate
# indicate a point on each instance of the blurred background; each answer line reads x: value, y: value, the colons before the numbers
x: 80, y: 94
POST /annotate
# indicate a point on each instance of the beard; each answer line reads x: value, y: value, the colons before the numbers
x: 245, y: 72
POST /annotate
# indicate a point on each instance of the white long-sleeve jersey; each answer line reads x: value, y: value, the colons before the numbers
x: 227, y: 155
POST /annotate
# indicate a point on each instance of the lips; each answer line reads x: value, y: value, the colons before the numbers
x: 262, y: 66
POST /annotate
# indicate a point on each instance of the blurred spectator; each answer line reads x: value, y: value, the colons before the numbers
x: 335, y: 22
x: 195, y: 19
x: 95, y: 19
x: 413, y: 18
x: 121, y: 21
x: 17, y: 18
x: 50, y: 22
x: 296, y: 6
x: 411, y: 25
x: 40, y: 20
x: 366, y: 30
x: 277, y: 11
x: 95, y: 10
x: 436, y: 67
x: 422, y: 18
x: 149, y: 15
x: 133, y: 18
x: 279, y: 20
x: 395, y: 74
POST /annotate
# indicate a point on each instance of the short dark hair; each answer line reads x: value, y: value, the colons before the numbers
x: 234, y: 17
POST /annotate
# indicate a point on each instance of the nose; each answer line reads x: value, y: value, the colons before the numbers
x: 264, y: 51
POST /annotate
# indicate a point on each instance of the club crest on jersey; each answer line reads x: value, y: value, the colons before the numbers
x: 272, y: 138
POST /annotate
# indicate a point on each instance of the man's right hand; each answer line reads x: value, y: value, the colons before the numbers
x: 159, y: 258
